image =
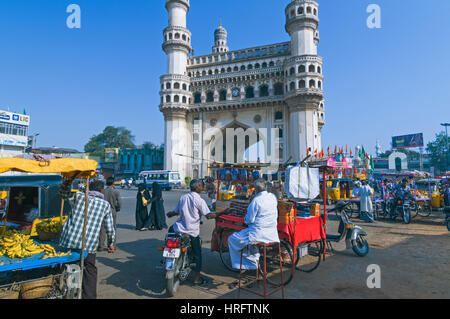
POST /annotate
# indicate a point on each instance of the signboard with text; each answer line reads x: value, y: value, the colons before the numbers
x: 407, y: 141
x: 14, y: 118
x: 13, y: 140
x: 111, y: 155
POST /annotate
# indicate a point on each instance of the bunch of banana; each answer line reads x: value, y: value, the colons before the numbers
x: 51, y: 226
x: 47, y: 248
x: 49, y: 254
x: 17, y: 245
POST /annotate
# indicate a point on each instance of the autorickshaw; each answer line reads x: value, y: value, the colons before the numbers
x: 340, y: 189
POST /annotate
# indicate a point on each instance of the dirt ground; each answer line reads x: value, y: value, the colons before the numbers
x: 413, y: 259
x: 414, y: 262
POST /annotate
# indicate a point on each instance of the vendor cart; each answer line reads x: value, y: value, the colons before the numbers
x: 40, y: 275
x: 302, y: 238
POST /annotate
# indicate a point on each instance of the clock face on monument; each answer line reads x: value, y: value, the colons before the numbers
x: 236, y: 92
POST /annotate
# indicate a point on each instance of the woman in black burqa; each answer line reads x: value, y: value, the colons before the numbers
x: 142, y: 201
x: 157, y: 215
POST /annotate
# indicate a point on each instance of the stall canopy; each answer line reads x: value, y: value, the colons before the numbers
x: 83, y: 168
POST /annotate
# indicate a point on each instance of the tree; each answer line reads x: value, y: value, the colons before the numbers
x: 412, y: 155
x: 149, y: 146
x: 438, y: 152
x: 111, y: 137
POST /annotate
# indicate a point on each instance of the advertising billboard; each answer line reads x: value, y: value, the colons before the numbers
x: 111, y: 155
x: 14, y: 118
x: 407, y: 141
x: 13, y: 140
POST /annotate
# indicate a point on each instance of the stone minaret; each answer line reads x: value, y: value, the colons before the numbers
x: 304, y: 80
x: 220, y: 40
x: 175, y: 94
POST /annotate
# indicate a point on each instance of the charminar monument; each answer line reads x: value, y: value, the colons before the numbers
x: 276, y: 86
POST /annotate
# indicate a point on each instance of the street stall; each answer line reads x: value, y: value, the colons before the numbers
x: 31, y: 264
x: 301, y: 227
x: 427, y: 188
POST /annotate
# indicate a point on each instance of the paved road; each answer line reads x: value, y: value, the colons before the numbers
x: 413, y: 259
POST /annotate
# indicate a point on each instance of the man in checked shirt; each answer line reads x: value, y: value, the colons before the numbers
x: 72, y: 234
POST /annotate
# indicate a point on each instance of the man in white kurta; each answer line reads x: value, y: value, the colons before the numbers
x: 262, y: 221
x: 366, y: 202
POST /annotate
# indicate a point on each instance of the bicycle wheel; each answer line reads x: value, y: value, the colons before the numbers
x: 273, y: 263
x: 416, y: 208
x: 224, y: 251
x: 308, y: 256
x: 425, y: 210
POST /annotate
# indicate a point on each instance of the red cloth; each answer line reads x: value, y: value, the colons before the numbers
x: 303, y: 230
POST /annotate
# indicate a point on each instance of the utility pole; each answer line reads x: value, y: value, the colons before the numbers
x: 446, y: 125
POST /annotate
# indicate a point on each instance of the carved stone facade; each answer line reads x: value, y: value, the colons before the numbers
x: 271, y: 86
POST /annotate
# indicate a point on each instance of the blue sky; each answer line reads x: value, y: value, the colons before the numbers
x: 378, y: 83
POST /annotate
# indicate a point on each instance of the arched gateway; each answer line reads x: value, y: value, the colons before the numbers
x: 225, y: 105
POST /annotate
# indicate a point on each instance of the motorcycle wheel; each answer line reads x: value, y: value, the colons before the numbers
x: 273, y: 263
x: 224, y: 251
x: 173, y: 279
x: 310, y: 262
x: 407, y: 216
x: 360, y: 246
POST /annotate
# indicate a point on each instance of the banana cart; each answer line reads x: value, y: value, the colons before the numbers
x: 39, y: 269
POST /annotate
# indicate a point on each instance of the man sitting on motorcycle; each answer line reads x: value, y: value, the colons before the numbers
x: 191, y: 207
x: 403, y: 190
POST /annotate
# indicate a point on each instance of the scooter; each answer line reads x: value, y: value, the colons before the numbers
x: 353, y: 234
x: 177, y: 259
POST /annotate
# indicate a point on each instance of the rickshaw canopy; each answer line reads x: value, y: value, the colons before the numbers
x: 69, y: 167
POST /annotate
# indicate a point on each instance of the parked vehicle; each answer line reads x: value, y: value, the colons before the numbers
x: 447, y: 216
x: 402, y: 209
x: 168, y: 180
x: 354, y: 235
x: 178, y: 260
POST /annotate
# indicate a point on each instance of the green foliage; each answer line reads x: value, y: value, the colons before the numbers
x: 187, y: 180
x: 111, y: 137
x: 151, y: 146
x: 413, y: 155
x: 438, y: 152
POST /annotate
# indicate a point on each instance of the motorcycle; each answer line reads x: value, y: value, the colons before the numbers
x: 178, y: 260
x: 353, y: 234
x: 402, y: 209
x: 447, y: 216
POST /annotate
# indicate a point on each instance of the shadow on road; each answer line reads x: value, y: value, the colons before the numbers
x: 123, y: 226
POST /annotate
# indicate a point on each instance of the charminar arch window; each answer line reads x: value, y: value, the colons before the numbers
x: 278, y: 88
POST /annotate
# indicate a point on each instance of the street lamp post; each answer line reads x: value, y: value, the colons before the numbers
x: 446, y: 125
x: 34, y: 139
